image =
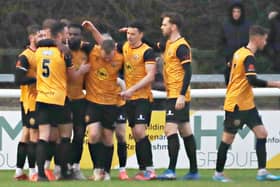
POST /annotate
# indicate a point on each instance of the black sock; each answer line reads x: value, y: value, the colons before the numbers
x: 144, y: 149
x: 261, y: 152
x: 190, y: 148
x: 94, y: 150
x: 77, y: 143
x: 173, y: 150
x: 139, y: 156
x: 65, y: 155
x: 31, y: 151
x: 21, y: 154
x: 41, y: 152
x: 122, y: 153
x: 222, y: 156
x: 51, y: 150
x: 108, y: 156
x: 56, y: 155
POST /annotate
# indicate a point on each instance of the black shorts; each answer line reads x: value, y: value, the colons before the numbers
x: 176, y: 116
x: 236, y: 120
x: 29, y: 119
x: 53, y: 114
x: 32, y: 121
x: 78, y: 108
x: 138, y: 112
x: 105, y: 114
x: 23, y: 116
x: 121, y: 118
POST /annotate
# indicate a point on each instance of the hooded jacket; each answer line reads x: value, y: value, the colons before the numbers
x: 235, y: 33
x: 274, y: 35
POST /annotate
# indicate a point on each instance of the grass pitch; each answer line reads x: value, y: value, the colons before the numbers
x: 241, y: 178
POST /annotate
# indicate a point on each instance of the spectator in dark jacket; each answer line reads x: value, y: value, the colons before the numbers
x: 234, y: 32
x: 273, y: 41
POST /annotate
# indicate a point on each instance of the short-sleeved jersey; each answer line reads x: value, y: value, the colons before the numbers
x: 135, y: 60
x: 173, y: 71
x: 51, y: 75
x: 28, y: 92
x: 101, y: 80
x: 239, y: 91
x: 75, y: 87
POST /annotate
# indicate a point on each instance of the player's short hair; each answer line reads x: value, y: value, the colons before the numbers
x: 56, y: 28
x: 137, y: 24
x: 76, y: 25
x: 107, y: 36
x: 174, y: 18
x: 47, y: 23
x: 257, y: 30
x: 65, y: 21
x: 33, y: 29
x: 108, y: 45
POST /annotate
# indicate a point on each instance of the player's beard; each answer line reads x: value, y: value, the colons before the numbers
x: 74, y: 43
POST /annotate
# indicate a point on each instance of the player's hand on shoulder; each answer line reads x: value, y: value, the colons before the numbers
x: 84, y: 68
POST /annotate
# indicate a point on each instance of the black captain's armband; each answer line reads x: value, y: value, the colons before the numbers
x: 68, y: 61
x: 250, y: 72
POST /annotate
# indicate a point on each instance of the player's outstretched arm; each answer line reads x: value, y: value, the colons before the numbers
x: 275, y: 84
x: 88, y: 25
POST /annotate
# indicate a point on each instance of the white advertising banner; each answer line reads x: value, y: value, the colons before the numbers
x: 10, y: 134
x: 207, y: 127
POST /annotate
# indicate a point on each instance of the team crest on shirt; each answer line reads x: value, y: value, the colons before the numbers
x: 128, y: 67
x: 136, y: 57
x: 251, y: 67
x: 102, y: 74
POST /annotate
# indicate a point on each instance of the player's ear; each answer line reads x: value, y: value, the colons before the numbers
x: 141, y: 34
x: 174, y: 27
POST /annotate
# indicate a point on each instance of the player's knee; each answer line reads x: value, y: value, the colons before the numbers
x: 93, y: 137
x: 108, y: 141
x: 263, y: 134
x: 169, y: 132
x: 185, y: 133
x: 34, y: 137
x: 138, y: 135
x: 228, y: 138
x: 260, y: 132
x: 120, y: 137
x: 170, y: 128
x: 25, y: 135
